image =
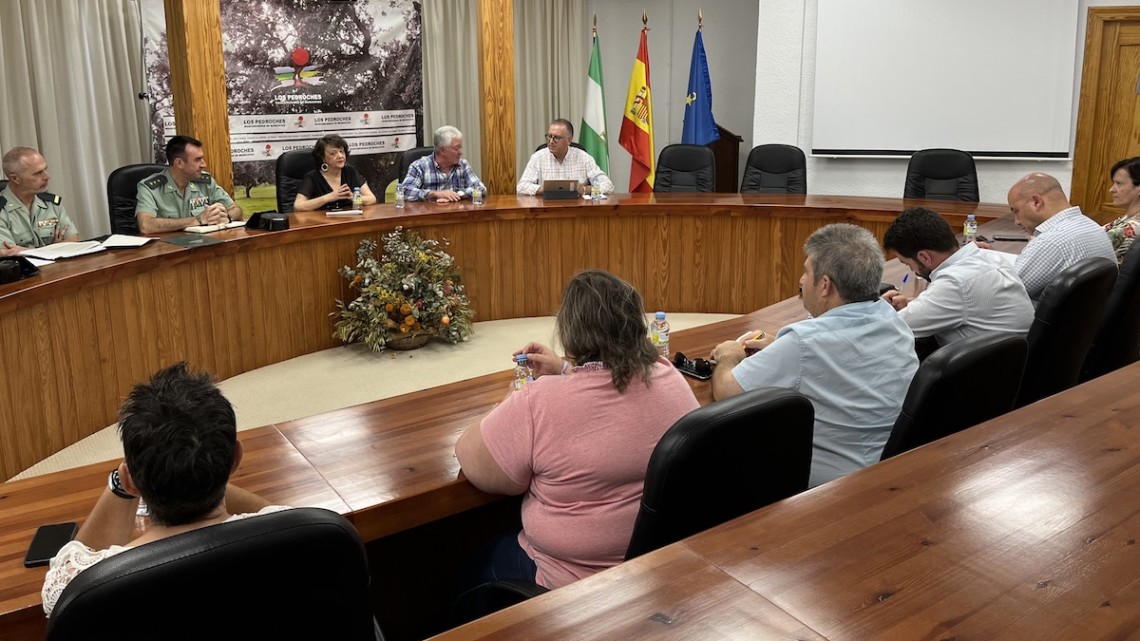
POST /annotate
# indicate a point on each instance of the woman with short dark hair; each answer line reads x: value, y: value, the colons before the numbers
x: 331, y: 184
x: 1125, y: 192
x: 576, y: 441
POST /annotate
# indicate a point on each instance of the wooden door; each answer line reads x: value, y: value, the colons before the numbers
x: 1108, y: 122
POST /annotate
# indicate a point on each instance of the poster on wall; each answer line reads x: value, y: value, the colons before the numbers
x: 297, y: 70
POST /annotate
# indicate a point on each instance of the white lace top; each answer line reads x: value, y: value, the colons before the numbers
x: 76, y: 557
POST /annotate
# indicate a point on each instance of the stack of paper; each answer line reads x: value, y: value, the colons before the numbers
x: 46, y: 255
x: 205, y: 229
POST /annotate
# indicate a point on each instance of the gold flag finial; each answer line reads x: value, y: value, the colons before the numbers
x: 644, y: 20
x: 700, y: 19
x: 595, y: 24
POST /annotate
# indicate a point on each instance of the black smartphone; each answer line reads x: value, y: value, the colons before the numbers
x: 697, y: 368
x: 47, y: 542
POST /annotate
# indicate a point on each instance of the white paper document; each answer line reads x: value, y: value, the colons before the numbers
x: 56, y: 251
x: 205, y: 229
x: 123, y: 240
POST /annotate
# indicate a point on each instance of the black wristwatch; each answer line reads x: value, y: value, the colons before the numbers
x: 116, y: 486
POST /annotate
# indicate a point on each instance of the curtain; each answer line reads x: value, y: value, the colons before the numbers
x: 552, y: 58
x: 72, y: 72
x: 451, y: 72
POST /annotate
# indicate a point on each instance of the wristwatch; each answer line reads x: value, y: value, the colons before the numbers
x: 116, y: 486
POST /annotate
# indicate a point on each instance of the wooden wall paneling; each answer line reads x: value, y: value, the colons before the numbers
x: 71, y: 349
x: 692, y: 281
x: 198, y: 81
x: 497, y: 94
x: 9, y: 364
x: 109, y: 341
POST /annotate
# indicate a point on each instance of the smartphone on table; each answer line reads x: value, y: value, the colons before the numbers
x: 47, y: 542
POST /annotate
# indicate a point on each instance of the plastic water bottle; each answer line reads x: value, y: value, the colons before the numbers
x: 399, y: 197
x: 477, y: 195
x: 523, y: 373
x: 659, y: 334
x: 357, y: 198
x: 595, y: 192
x: 970, y: 230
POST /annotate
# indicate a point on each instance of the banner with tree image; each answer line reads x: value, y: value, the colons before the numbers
x: 297, y: 70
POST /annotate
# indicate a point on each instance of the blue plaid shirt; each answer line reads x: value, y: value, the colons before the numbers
x: 425, y: 175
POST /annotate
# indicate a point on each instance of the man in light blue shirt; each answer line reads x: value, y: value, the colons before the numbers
x: 854, y: 359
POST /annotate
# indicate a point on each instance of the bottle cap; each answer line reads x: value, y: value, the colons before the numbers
x: 520, y: 358
x: 969, y: 217
x: 660, y: 315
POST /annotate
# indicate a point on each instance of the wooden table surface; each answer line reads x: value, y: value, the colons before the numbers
x: 387, y: 465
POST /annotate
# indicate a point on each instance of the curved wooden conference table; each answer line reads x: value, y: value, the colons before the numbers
x: 257, y: 298
x: 74, y: 339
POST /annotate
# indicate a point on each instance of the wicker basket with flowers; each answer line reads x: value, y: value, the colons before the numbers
x: 406, y: 296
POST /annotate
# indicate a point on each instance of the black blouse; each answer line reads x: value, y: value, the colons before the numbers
x: 314, y: 186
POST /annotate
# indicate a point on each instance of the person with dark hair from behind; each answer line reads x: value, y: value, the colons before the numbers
x: 1125, y: 192
x: 853, y: 358
x: 558, y: 160
x: 180, y: 442
x: 972, y: 290
x: 332, y: 183
x: 576, y: 441
x: 184, y: 194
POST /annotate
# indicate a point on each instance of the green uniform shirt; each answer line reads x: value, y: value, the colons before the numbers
x: 35, y: 228
x: 159, y: 195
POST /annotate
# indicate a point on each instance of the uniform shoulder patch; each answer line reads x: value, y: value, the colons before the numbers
x: 204, y: 179
x: 49, y: 198
x: 155, y: 181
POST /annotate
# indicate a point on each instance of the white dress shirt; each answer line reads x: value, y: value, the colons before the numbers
x: 1068, y: 237
x: 971, y: 292
x: 576, y: 165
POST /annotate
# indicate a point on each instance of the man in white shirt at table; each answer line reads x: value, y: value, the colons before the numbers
x: 558, y: 160
x: 1062, y: 235
x: 972, y: 290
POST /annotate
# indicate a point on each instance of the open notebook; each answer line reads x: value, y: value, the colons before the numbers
x: 56, y: 251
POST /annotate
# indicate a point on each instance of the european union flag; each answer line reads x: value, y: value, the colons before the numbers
x: 699, y: 128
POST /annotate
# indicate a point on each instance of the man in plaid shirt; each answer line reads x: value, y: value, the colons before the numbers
x: 442, y: 176
x: 1062, y: 234
x: 560, y: 161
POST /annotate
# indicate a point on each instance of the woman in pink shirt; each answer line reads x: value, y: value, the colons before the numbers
x: 576, y: 441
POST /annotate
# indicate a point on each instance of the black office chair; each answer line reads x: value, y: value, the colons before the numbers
x: 1064, y: 326
x: 960, y: 385
x: 295, y: 574
x: 572, y: 144
x: 685, y: 169
x: 1117, y: 341
x: 775, y: 169
x: 716, y: 463
x: 291, y: 169
x: 122, y: 196
x: 943, y: 174
x: 409, y: 157
x: 3, y: 184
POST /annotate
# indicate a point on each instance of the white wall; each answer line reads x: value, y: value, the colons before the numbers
x: 729, y: 34
x: 785, y: 84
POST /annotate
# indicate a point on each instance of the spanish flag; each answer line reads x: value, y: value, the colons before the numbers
x: 637, y: 122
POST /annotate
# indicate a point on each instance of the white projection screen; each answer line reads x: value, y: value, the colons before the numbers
x: 991, y: 77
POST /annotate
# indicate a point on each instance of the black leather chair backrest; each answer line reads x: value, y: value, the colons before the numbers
x: 1066, y: 320
x: 775, y: 169
x: 960, y: 385
x: 943, y: 174
x: 3, y: 184
x: 296, y: 574
x: 122, y: 196
x: 1117, y: 341
x: 291, y: 169
x: 721, y: 461
x: 409, y: 157
x: 572, y: 144
x: 685, y: 169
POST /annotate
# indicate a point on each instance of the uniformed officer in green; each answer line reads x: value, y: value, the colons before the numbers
x: 29, y: 215
x: 183, y: 194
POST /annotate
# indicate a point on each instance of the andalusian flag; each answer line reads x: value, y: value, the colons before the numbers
x: 593, y: 130
x: 637, y: 122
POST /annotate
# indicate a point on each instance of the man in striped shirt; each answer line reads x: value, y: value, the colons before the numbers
x: 1062, y: 235
x: 558, y: 160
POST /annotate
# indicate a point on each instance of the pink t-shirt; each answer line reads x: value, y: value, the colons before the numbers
x: 582, y: 448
